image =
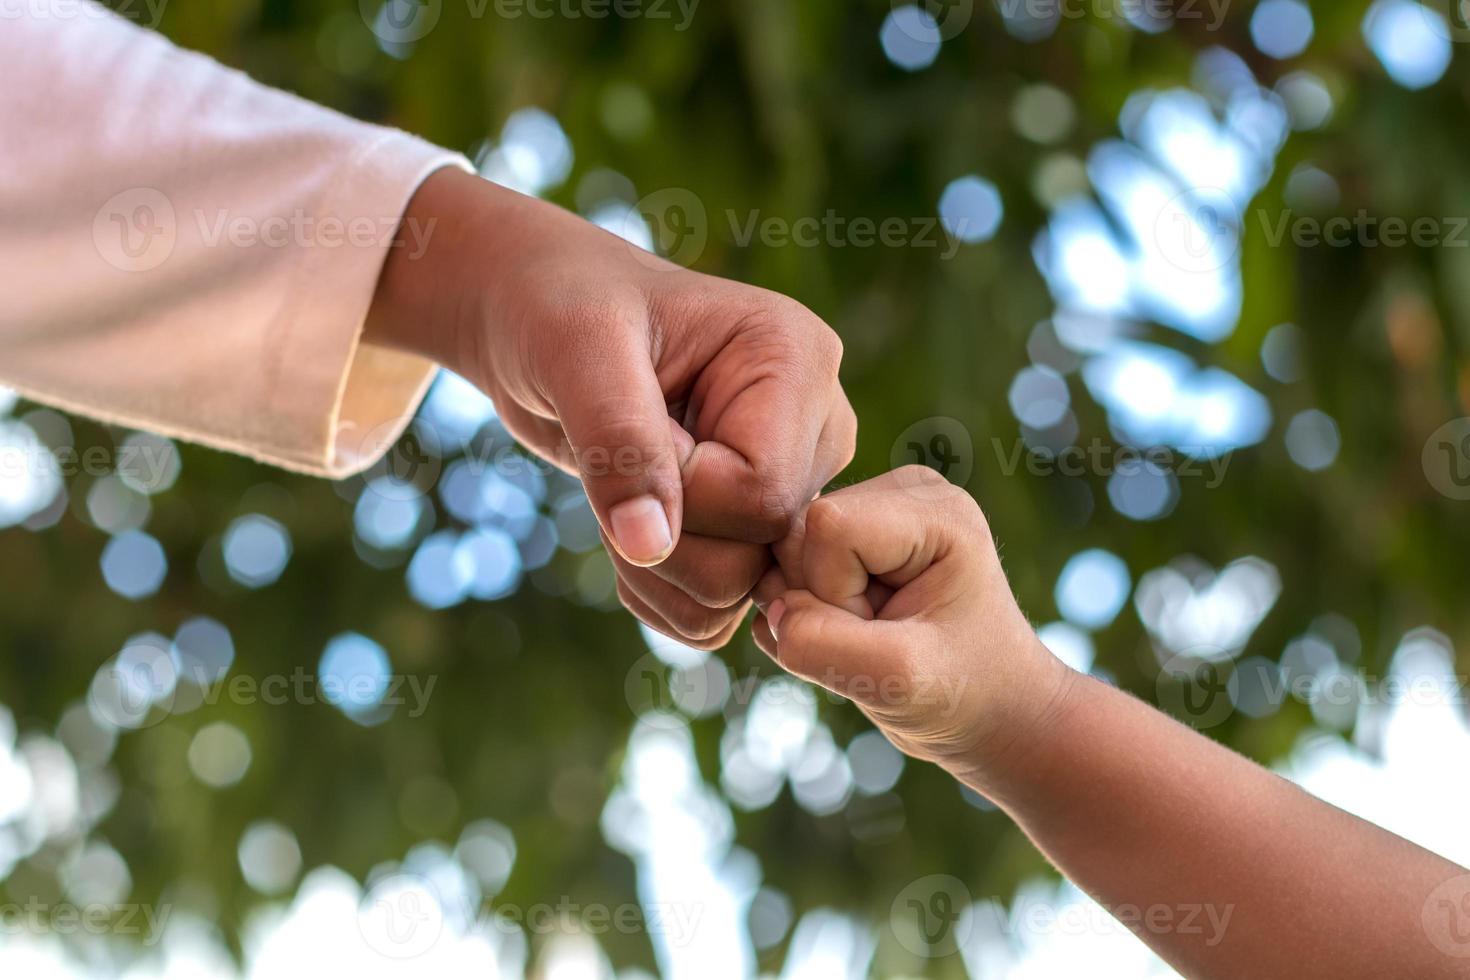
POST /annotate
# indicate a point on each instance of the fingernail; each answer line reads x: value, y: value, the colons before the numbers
x: 640, y: 528
x: 773, y: 616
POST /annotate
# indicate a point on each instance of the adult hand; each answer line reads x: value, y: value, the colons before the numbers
x: 701, y: 414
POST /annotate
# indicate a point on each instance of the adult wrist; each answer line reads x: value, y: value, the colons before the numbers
x: 423, y: 303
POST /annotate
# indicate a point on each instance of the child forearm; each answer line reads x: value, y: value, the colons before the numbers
x: 1222, y: 867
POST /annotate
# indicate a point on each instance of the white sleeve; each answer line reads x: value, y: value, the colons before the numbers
x: 187, y: 251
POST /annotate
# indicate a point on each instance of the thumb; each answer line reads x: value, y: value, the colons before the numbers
x: 628, y: 450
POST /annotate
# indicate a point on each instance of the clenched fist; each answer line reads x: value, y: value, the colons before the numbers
x: 701, y: 414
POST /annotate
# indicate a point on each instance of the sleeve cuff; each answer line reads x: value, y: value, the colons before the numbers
x: 350, y: 401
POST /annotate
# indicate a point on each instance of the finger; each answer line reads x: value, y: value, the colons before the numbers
x: 834, y: 452
x: 713, y: 572
x: 879, y: 531
x: 625, y: 446
x: 650, y: 618
x: 789, y: 549
x: 765, y: 640
x: 689, y: 618
x: 758, y: 411
x: 839, y: 650
x: 836, y: 445
x: 772, y: 586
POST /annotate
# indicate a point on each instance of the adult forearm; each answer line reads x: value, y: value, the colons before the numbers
x: 197, y: 250
x: 1222, y: 867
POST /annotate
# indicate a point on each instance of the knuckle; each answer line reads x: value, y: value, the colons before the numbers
x: 721, y: 593
x: 916, y: 475
x: 777, y: 502
x: 698, y: 623
x: 830, y: 347
x: 964, y: 507
x: 847, y: 427
x: 716, y: 574
x: 710, y: 644
x: 802, y: 328
x: 825, y: 521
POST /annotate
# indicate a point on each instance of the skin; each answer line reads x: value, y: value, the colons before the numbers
x: 700, y: 414
x: 891, y: 593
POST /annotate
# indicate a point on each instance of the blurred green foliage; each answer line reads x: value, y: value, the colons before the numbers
x: 790, y: 109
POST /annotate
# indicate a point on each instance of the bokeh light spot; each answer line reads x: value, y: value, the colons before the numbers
x: 1092, y: 588
x: 134, y: 565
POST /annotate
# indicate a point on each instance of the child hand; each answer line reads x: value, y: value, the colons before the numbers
x: 891, y: 594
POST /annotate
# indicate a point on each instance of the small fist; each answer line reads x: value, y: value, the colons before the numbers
x: 891, y: 594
